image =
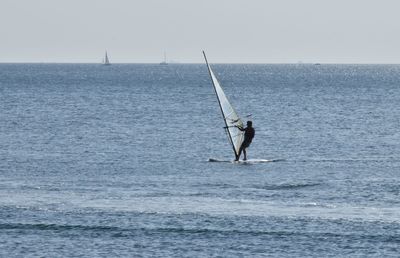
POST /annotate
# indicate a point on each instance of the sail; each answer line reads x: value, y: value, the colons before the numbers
x: 106, y: 61
x: 232, y: 120
x: 165, y: 59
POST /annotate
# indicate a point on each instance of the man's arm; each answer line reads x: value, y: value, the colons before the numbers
x: 240, y: 128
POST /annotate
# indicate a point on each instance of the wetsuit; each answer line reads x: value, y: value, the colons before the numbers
x: 248, y: 136
x: 249, y: 133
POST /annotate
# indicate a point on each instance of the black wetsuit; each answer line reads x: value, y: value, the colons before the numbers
x: 248, y: 136
x: 249, y: 133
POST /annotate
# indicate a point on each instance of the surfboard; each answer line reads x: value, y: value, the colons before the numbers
x: 249, y: 161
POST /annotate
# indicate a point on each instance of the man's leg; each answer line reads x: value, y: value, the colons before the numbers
x: 244, y: 154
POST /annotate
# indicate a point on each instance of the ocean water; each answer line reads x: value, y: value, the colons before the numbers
x: 108, y: 161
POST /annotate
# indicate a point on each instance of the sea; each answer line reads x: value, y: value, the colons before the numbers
x: 113, y: 161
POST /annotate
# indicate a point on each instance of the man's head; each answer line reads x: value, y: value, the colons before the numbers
x: 249, y: 123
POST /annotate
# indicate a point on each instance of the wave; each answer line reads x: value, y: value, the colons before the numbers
x: 110, y: 229
x: 55, y: 227
x: 315, y: 204
x: 286, y: 186
x: 216, y: 185
x: 283, y: 186
x: 128, y: 232
x: 355, y: 160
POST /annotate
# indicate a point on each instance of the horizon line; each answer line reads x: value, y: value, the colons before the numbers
x: 235, y: 63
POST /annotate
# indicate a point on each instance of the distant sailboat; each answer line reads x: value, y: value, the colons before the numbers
x: 165, y: 60
x: 231, y: 119
x: 106, y: 61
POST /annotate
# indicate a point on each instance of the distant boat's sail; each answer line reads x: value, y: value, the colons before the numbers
x: 165, y: 60
x: 106, y: 61
x: 231, y: 118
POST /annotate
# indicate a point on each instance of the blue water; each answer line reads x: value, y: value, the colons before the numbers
x: 106, y: 161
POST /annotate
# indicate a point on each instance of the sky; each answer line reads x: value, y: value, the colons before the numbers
x: 230, y: 31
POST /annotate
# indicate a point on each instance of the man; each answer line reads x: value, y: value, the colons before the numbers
x: 248, y: 137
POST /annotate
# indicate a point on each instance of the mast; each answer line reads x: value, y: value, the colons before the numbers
x: 220, y: 106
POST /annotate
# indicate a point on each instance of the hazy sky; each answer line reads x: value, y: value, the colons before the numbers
x: 231, y: 31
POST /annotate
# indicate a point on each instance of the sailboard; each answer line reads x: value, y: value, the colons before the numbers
x: 230, y: 117
x: 248, y: 161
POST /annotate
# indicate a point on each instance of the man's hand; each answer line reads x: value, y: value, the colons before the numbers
x: 239, y: 127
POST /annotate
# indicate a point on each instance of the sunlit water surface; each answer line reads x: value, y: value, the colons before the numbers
x: 106, y: 161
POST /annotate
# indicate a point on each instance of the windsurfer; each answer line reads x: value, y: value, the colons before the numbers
x: 249, y: 133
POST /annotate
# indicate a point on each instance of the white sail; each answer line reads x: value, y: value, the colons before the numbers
x: 106, y: 61
x: 232, y: 120
x: 165, y: 59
